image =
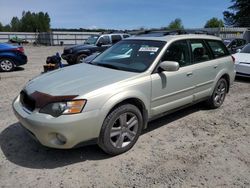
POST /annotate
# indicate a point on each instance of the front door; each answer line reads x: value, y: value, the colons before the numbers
x: 171, y: 90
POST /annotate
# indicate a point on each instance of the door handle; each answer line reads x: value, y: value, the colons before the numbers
x: 189, y: 74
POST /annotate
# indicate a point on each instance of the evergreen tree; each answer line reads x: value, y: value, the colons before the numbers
x: 239, y: 14
x: 1, y: 27
x: 15, y: 24
x: 213, y: 23
x: 176, y: 24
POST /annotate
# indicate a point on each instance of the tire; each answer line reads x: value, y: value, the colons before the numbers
x: 80, y: 58
x: 71, y: 62
x: 121, y: 129
x: 7, y: 65
x: 219, y: 94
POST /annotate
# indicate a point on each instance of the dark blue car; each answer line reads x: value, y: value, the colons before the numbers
x: 11, y: 57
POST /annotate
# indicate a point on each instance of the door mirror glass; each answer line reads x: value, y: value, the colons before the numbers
x: 169, y: 66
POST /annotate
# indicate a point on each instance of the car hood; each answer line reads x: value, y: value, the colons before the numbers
x: 79, y: 47
x: 242, y: 57
x: 76, y: 80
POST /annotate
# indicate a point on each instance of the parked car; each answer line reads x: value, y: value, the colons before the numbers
x: 242, y: 62
x: 110, y: 100
x: 11, y: 57
x: 234, y: 44
x: 18, y: 40
x: 94, y: 44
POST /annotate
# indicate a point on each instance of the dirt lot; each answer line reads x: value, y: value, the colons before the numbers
x: 195, y: 147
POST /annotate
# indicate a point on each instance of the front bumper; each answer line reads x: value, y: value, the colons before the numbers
x: 68, y: 57
x: 20, y: 59
x: 243, y: 69
x: 76, y: 129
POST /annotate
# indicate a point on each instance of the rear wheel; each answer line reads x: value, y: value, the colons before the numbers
x: 6, y: 64
x: 121, y: 129
x: 219, y: 94
x: 81, y: 58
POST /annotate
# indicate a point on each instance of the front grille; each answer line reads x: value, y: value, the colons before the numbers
x: 27, y: 101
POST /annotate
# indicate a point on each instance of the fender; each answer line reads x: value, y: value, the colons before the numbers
x: 118, y: 98
x: 85, y: 51
x: 219, y: 75
x: 8, y: 55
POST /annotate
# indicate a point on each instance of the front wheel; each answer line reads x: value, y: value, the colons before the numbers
x: 219, y: 94
x: 81, y: 58
x: 121, y: 129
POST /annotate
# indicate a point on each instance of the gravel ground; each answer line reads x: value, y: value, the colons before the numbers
x: 195, y: 147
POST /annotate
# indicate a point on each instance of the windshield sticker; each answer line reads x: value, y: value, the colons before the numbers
x: 148, y: 49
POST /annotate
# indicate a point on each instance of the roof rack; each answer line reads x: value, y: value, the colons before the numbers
x: 160, y: 33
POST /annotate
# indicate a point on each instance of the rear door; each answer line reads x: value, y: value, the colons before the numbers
x: 204, y: 68
x: 208, y: 58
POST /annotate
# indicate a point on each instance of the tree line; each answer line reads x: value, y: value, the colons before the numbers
x: 29, y: 22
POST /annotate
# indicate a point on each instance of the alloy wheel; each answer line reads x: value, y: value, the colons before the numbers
x: 220, y: 93
x: 124, y: 130
x: 6, y: 65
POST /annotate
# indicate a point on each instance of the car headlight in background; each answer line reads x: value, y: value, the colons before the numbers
x: 64, y: 108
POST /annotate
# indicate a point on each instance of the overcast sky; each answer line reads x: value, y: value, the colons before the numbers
x: 117, y: 14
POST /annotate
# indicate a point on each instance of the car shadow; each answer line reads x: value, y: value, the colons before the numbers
x: 15, y: 70
x: 19, y: 69
x: 242, y: 79
x: 20, y: 149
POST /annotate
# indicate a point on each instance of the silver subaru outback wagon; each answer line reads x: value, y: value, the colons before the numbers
x: 111, y: 99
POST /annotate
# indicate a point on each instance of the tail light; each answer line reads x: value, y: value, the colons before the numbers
x: 233, y: 58
x: 19, y: 49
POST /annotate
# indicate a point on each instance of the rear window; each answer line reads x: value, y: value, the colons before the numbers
x: 218, y: 48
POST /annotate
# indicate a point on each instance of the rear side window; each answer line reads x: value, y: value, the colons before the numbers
x: 116, y: 38
x: 199, y: 50
x: 218, y: 48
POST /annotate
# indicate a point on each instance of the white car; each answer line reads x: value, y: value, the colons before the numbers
x: 242, y: 62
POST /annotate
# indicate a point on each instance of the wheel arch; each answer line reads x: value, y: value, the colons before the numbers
x: 116, y: 101
x: 8, y: 56
x: 136, y: 102
x: 227, y: 78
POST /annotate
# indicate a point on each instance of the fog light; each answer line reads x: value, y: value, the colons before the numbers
x: 61, y: 139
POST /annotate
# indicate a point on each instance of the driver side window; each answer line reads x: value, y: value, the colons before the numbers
x: 179, y: 52
x: 104, y: 40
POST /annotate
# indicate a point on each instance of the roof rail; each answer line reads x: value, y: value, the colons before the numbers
x: 172, y: 32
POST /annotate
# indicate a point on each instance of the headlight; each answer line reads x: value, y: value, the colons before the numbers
x: 59, y: 108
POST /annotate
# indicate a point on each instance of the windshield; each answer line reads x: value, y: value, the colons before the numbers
x: 92, y: 39
x: 130, y: 55
x: 246, y: 49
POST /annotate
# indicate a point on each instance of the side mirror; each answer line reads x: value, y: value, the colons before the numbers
x: 238, y: 51
x: 169, y: 66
